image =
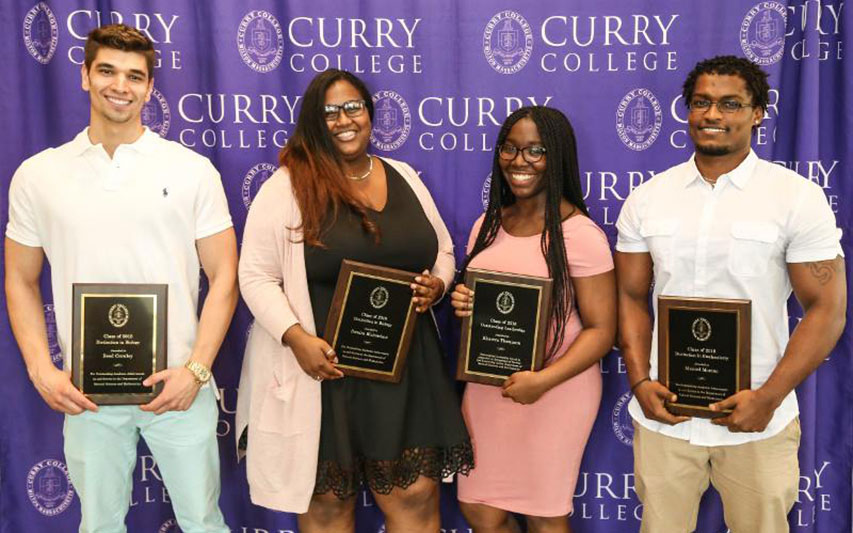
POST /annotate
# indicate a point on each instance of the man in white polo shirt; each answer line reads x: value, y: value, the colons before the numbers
x: 118, y: 204
x: 726, y: 224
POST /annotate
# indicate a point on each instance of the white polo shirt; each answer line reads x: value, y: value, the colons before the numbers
x: 134, y: 218
x: 730, y: 241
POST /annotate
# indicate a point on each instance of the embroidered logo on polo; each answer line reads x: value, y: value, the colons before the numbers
x: 49, y: 487
x: 118, y: 315
x: 701, y: 329
x: 620, y: 420
x: 762, y: 33
x: 260, y: 41
x: 41, y: 33
x: 379, y: 297
x: 156, y: 114
x: 639, y: 119
x: 253, y: 180
x: 52, y: 336
x: 392, y: 121
x: 505, y: 302
x: 507, y: 42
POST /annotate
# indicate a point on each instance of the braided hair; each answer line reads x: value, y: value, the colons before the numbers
x: 562, y: 180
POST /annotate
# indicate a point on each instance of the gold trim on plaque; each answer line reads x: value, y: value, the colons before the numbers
x: 83, y: 298
x: 538, y: 290
x: 343, y: 313
x: 737, y: 313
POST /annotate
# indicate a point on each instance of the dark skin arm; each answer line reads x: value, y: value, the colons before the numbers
x: 821, y: 288
x: 634, y: 281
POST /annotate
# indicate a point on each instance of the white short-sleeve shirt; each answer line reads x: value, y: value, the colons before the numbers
x: 732, y: 240
x: 134, y: 218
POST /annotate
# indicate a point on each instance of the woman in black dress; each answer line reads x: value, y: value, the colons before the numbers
x: 398, y: 439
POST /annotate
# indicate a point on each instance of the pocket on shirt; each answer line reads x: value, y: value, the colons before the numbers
x: 752, y: 244
x: 659, y: 234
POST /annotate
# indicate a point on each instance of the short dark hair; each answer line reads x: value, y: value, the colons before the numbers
x: 119, y: 37
x: 749, y: 72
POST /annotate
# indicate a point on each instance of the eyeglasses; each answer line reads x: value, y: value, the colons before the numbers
x: 352, y: 108
x: 531, y: 154
x: 702, y: 105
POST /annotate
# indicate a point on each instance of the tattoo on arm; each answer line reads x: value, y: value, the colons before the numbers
x: 823, y: 271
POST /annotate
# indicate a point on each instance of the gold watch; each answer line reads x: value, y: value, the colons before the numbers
x: 200, y: 372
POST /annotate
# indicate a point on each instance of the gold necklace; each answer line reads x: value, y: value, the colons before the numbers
x: 363, y: 176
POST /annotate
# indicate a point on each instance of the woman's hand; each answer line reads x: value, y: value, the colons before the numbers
x: 313, y: 354
x: 525, y: 387
x: 462, y: 300
x: 426, y: 290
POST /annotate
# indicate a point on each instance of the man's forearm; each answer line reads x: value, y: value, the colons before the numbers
x: 26, y: 316
x: 635, y: 338
x: 215, y: 318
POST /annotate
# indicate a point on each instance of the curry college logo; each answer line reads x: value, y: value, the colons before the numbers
x: 256, y: 177
x: 118, y: 315
x: 762, y: 33
x: 169, y: 526
x: 507, y: 42
x: 639, y: 119
x: 701, y: 329
x: 392, y: 121
x: 41, y: 33
x: 505, y: 302
x: 49, y: 487
x: 260, y: 41
x: 486, y: 191
x: 52, y: 336
x: 156, y: 114
x: 379, y: 297
x: 620, y: 420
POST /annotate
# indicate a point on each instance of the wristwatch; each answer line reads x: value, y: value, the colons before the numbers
x: 200, y: 372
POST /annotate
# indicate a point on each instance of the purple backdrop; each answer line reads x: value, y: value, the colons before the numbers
x: 444, y: 75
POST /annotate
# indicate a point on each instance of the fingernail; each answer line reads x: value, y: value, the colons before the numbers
x: 419, y: 279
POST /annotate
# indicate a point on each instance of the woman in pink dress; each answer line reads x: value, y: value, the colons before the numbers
x: 530, y: 433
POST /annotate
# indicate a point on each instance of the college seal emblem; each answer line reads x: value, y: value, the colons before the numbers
x: 156, y: 114
x: 505, y: 302
x: 253, y: 180
x: 379, y: 297
x: 52, y: 336
x: 169, y: 526
x: 485, y: 191
x: 392, y: 121
x: 260, y: 41
x: 49, y: 487
x: 701, y: 329
x: 118, y: 315
x: 639, y: 119
x: 507, y: 42
x: 41, y: 33
x: 620, y: 420
x: 762, y: 33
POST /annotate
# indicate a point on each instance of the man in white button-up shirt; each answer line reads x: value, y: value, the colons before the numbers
x: 726, y: 224
x: 118, y: 204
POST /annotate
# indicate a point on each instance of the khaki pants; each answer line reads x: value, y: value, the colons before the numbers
x: 757, y: 481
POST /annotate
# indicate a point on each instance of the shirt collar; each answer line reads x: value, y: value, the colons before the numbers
x: 739, y: 176
x: 143, y: 145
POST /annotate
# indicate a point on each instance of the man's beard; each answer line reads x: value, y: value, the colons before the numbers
x: 713, y: 151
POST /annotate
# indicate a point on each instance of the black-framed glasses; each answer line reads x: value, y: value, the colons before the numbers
x: 352, y: 108
x: 728, y: 106
x: 532, y: 154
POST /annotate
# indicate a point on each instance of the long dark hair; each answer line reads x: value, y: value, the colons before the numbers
x: 562, y: 180
x: 314, y: 163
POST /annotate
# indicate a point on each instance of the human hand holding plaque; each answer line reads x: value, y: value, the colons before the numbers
x: 118, y: 340
x: 371, y: 320
x: 703, y: 352
x: 504, y: 326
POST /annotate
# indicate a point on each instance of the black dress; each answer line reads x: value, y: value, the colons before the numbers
x: 386, y: 434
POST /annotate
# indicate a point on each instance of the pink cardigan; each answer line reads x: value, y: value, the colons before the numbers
x: 277, y: 400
